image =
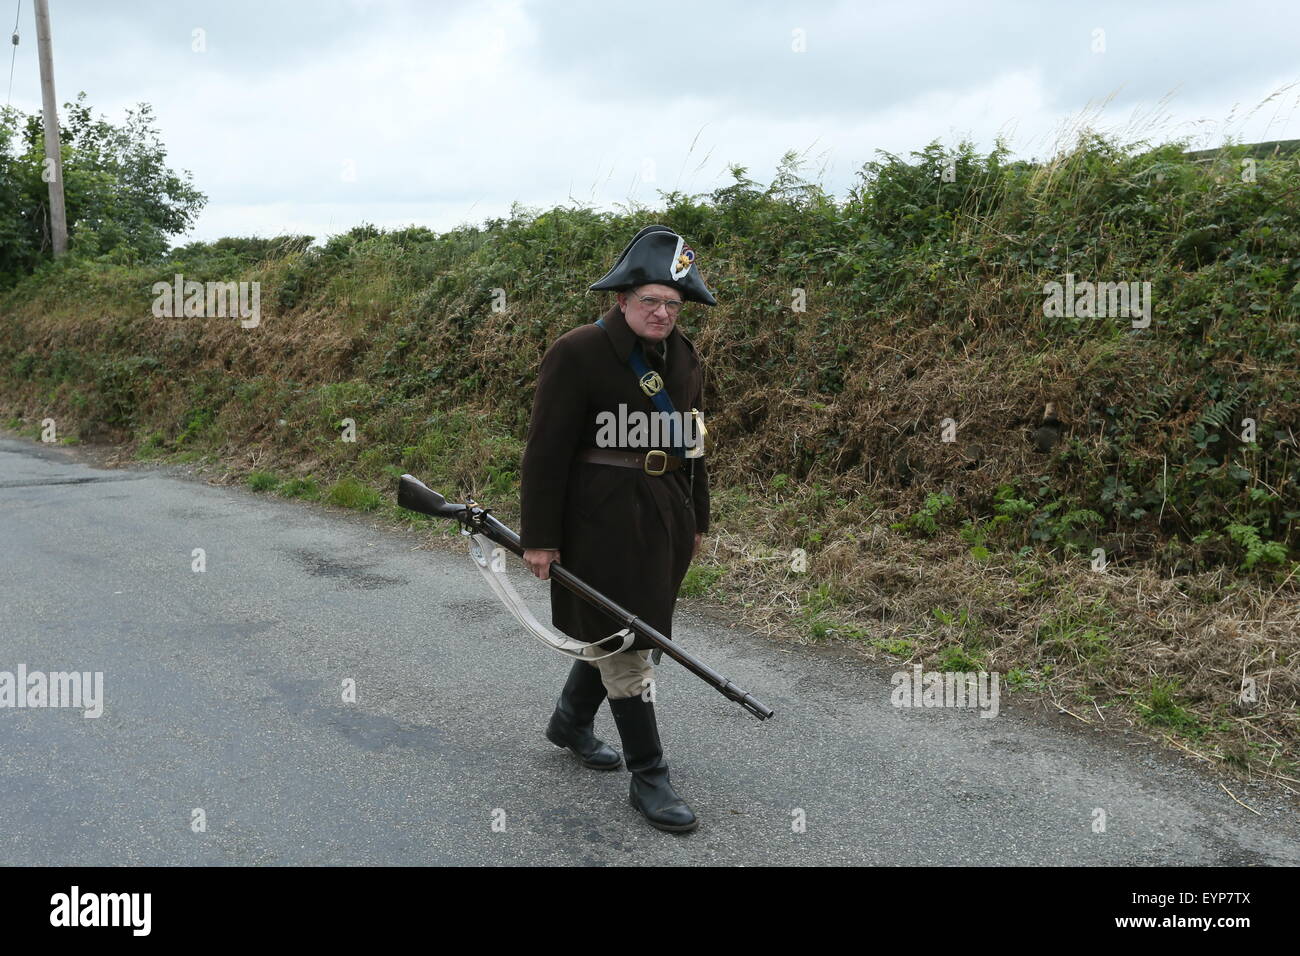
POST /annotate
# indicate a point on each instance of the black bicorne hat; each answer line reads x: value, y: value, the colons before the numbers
x: 657, y: 254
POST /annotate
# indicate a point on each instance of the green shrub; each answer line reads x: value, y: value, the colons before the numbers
x: 699, y: 579
x: 955, y: 657
x: 1162, y: 708
x: 262, y: 481
x: 925, y: 523
x: 350, y: 493
x: 300, y: 488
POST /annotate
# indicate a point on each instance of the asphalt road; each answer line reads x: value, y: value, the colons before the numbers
x: 223, y: 691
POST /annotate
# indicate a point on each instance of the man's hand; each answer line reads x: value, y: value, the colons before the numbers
x: 539, y: 560
x: 699, y: 536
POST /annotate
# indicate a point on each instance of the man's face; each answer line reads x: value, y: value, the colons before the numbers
x: 653, y: 325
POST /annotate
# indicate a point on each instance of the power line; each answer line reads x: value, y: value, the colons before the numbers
x: 13, y: 57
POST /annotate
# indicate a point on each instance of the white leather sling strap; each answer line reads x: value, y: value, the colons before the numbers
x: 482, y: 550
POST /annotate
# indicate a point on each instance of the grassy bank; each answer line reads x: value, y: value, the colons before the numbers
x: 876, y: 376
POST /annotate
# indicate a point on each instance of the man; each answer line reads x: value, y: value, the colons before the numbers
x: 627, y: 520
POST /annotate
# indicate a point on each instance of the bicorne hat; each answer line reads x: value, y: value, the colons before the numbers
x: 657, y: 254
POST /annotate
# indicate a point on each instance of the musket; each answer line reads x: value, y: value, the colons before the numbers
x: 414, y: 495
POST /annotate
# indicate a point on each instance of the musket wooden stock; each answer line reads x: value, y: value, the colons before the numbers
x: 414, y: 495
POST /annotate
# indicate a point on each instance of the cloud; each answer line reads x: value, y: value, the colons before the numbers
x: 316, y: 116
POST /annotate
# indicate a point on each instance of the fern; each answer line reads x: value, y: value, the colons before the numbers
x: 1247, y: 537
x: 1220, y: 412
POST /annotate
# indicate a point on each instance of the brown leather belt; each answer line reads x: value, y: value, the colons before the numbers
x: 652, y: 462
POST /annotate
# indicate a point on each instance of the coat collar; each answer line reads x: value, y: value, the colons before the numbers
x: 623, y: 338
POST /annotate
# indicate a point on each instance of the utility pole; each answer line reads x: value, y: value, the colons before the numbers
x: 53, y: 173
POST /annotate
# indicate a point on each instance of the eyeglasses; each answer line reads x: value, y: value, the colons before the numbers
x: 652, y: 302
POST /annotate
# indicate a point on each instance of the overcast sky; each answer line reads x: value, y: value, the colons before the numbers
x: 311, y: 116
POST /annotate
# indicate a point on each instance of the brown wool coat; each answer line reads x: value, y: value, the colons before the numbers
x: 626, y: 533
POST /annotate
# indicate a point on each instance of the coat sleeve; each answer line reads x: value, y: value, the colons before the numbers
x: 700, y: 494
x: 554, y: 430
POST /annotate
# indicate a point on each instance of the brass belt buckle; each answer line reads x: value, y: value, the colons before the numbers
x: 663, y: 457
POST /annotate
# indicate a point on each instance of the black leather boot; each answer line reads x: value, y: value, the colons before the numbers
x: 575, y: 713
x: 650, y: 792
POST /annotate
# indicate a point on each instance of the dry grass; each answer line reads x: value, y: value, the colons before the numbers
x: 1107, y: 647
